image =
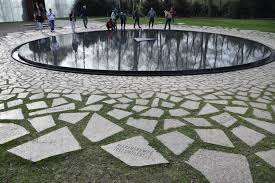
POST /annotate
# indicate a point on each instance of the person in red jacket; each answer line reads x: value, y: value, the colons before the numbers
x: 110, y: 25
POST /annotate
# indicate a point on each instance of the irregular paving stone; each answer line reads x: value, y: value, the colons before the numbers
x: 54, y: 143
x: 2, y: 106
x: 237, y: 102
x: 222, y: 167
x: 153, y: 112
x: 261, y: 100
x: 111, y: 101
x: 124, y: 100
x: 99, y: 128
x: 37, y: 105
x: 155, y: 102
x: 135, y: 151
x: 23, y: 95
x: 146, y: 95
x: 262, y: 114
x: 198, y: 121
x: 142, y: 102
x: 237, y: 110
x: 270, y: 127
x: 10, y: 131
x: 119, y: 114
x: 37, y: 96
x: 94, y: 108
x: 75, y: 96
x: 208, y: 109
x: 172, y: 123
x: 6, y: 97
x: 192, y: 105
x: 61, y: 108
x: 224, y: 119
x: 94, y: 98
x: 175, y: 99
x: 53, y: 95
x: 131, y: 95
x: 210, y: 97
x: 247, y: 135
x: 175, y: 141
x: 115, y: 95
x: 214, y: 136
x: 15, y: 114
x: 59, y: 101
x: 221, y: 102
x: 258, y: 105
x: 167, y: 105
x: 42, y: 123
x: 143, y: 124
x: 73, y: 118
x: 163, y: 96
x: 138, y: 108
x: 14, y: 103
x: 193, y: 97
x: 122, y: 106
x: 178, y: 112
x: 268, y: 156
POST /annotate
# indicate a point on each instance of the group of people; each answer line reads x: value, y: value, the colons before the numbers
x: 112, y: 22
x: 40, y: 14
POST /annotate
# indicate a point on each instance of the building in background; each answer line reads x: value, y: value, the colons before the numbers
x: 23, y: 10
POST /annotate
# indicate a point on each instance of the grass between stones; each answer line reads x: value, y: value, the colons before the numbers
x: 93, y: 164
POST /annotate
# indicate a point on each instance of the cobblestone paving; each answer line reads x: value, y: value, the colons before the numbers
x: 226, y: 110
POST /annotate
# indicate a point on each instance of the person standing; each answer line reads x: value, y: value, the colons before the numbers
x: 173, y: 13
x: 123, y: 18
x: 168, y: 17
x: 136, y: 18
x: 38, y: 11
x: 72, y: 20
x: 114, y: 17
x: 151, y: 15
x: 84, y: 16
x: 51, y: 18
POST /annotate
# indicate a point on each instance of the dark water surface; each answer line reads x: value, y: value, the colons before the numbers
x: 144, y: 50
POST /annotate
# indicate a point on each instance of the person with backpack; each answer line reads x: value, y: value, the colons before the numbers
x: 151, y: 15
x: 168, y: 17
x: 72, y: 18
x: 51, y: 18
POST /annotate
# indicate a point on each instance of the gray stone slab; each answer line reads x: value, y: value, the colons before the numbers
x: 124, y: 100
x: 175, y: 141
x: 214, y: 136
x: 53, y: 95
x: 270, y: 127
x: 94, y: 98
x: 167, y: 104
x: 198, y: 121
x: 163, y: 96
x: 37, y: 105
x: 192, y: 105
x: 193, y: 97
x: 59, y: 101
x: 224, y: 119
x: 135, y: 151
x: 143, y: 124
x: 75, y: 96
x: 15, y: 114
x: 111, y: 101
x: 23, y: 95
x: 42, y: 123
x: 238, y: 102
x: 62, y: 108
x: 94, y: 108
x: 14, y: 103
x: 37, y: 96
x: 178, y: 112
x: 138, y: 108
x: 99, y: 128
x: 172, y: 123
x: 153, y: 112
x: 119, y: 114
x: 221, y: 167
x: 262, y: 114
x: 131, y: 95
x: 121, y: 106
x: 73, y: 118
x: 10, y: 131
x: 6, y: 97
x: 247, y: 135
x: 210, y: 97
x: 258, y: 105
x: 155, y: 102
x: 220, y: 102
x: 208, y: 109
x: 175, y: 99
x: 115, y: 95
x: 142, y: 102
x: 2, y: 106
x: 236, y: 110
x: 268, y: 156
x: 57, y: 142
x: 147, y: 94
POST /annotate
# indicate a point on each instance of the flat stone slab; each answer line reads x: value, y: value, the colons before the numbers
x: 14, y: 103
x: 139, y: 108
x: 142, y: 102
x: 94, y: 108
x: 75, y: 96
x: 270, y: 127
x: 268, y: 156
x: 153, y: 112
x: 198, y: 121
x: 10, y: 131
x: 94, y: 98
x: 262, y: 114
x: 57, y: 142
x: 119, y: 114
x: 224, y: 119
x: 172, y: 123
x: 258, y: 105
x: 121, y: 106
x: 192, y: 105
x: 236, y: 110
x: 37, y: 105
x: 124, y: 100
x: 178, y: 112
x: 6, y: 97
x: 238, y: 102
x: 135, y: 151
x: 37, y: 96
x: 143, y: 124
x: 221, y: 102
x: 214, y: 136
x: 247, y: 135
x: 193, y: 97
x: 175, y: 141
x: 167, y: 105
x: 15, y: 114
x: 208, y: 109
x: 42, y: 123
x: 59, y: 101
x: 99, y: 128
x: 221, y: 167
x: 147, y: 94
x: 73, y: 118
x: 61, y: 108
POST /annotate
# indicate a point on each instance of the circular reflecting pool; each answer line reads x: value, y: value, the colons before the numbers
x: 152, y: 52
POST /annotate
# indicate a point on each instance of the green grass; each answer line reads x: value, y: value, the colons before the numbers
x: 251, y: 24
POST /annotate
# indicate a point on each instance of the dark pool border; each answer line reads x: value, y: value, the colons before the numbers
x: 258, y: 63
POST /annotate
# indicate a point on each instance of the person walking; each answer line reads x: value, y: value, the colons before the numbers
x: 114, y: 18
x: 173, y: 13
x: 151, y: 15
x: 51, y: 18
x: 136, y: 18
x: 72, y: 20
x: 168, y: 17
x: 84, y: 15
x: 123, y: 19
